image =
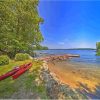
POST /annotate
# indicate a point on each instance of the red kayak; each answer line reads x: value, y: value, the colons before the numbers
x: 21, y: 71
x: 8, y: 74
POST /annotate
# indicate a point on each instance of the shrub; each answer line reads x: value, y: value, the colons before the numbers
x: 98, y: 45
x: 97, y: 53
x: 4, y: 60
x: 21, y: 56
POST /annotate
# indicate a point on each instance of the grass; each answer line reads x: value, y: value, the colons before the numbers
x: 24, y: 84
x: 11, y: 65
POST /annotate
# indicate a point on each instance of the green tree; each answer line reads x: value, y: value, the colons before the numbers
x: 40, y: 47
x: 98, y: 48
x: 19, y: 26
x: 45, y: 48
x: 98, y: 45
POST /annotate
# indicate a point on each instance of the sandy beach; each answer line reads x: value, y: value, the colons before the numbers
x: 77, y: 76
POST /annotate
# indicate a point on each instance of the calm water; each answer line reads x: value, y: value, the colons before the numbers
x: 86, y: 56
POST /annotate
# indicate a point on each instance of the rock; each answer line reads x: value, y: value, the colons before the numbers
x: 61, y: 96
x: 38, y: 82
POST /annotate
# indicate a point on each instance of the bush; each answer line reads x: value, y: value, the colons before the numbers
x: 98, y: 54
x: 21, y: 57
x: 4, y: 60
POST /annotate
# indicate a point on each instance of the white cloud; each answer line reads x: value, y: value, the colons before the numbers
x: 61, y: 43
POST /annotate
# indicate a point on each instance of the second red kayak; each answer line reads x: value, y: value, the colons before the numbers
x: 21, y: 71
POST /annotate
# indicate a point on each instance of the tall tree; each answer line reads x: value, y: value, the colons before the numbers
x: 19, y: 26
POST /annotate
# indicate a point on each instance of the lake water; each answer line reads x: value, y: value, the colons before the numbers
x: 86, y: 56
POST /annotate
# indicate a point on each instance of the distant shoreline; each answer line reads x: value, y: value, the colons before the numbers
x: 75, y: 49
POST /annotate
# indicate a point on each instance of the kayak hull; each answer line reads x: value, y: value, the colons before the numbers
x: 13, y: 71
x: 21, y: 71
x: 8, y: 74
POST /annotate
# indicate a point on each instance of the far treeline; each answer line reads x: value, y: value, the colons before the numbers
x: 19, y: 27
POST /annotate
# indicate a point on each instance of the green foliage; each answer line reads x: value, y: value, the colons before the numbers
x: 21, y: 57
x: 98, y: 53
x: 98, y: 45
x: 98, y: 48
x: 39, y: 47
x: 19, y: 26
x: 45, y: 48
x: 4, y: 60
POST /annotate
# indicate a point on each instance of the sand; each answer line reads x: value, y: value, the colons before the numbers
x: 76, y: 75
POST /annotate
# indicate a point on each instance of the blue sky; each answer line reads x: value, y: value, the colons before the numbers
x: 70, y: 24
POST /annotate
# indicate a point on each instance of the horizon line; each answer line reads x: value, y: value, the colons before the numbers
x: 72, y: 48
